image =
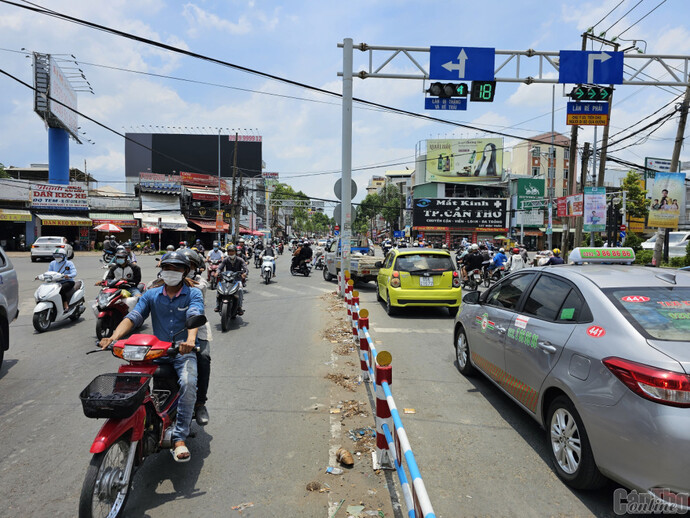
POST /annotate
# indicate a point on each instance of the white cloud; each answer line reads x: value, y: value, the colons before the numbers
x: 200, y: 20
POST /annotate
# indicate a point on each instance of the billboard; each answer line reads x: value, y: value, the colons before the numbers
x: 160, y: 182
x: 570, y: 206
x: 55, y: 101
x: 465, y: 213
x: 668, y: 197
x: 464, y: 160
x: 169, y: 153
x: 58, y: 197
x: 529, y: 189
x: 595, y: 209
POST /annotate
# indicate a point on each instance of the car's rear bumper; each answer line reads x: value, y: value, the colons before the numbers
x: 446, y: 297
x: 39, y: 252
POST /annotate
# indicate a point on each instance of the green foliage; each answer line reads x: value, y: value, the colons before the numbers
x: 678, y: 262
x: 598, y: 240
x: 3, y: 173
x: 633, y: 241
x: 687, y: 253
x: 390, y: 199
x: 636, y: 200
x: 644, y: 256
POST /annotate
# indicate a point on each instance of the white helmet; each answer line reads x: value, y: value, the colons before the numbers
x: 475, y: 246
x: 502, y: 250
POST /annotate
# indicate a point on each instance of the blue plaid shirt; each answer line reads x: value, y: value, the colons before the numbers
x: 168, y: 316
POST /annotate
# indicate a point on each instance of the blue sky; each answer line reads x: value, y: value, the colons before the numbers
x: 298, y: 40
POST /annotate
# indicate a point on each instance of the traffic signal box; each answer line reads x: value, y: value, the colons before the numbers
x: 481, y: 91
x: 591, y: 93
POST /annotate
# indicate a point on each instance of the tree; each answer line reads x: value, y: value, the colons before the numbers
x: 297, y: 213
x: 366, y: 213
x: 390, y: 201
x: 637, y: 205
x: 3, y: 173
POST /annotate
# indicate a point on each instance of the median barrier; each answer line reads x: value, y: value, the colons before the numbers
x: 393, y: 450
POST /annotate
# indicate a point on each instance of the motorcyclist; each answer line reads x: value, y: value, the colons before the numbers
x: 182, y: 245
x: 61, y: 265
x: 170, y: 306
x: 269, y: 251
x: 199, y: 247
x: 472, y: 261
x: 241, y: 250
x: 108, y: 245
x: 131, y: 257
x: 555, y: 258
x: 499, y: 259
x: 515, y: 262
x: 302, y: 254
x: 233, y: 263
x: 170, y: 248
x: 122, y: 269
x: 216, y: 254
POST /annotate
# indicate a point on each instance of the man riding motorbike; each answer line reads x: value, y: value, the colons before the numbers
x: 270, y: 251
x: 233, y: 263
x: 61, y: 265
x: 128, y: 248
x: 124, y: 270
x: 472, y: 261
x: 170, y: 306
x: 303, y: 253
x: 555, y: 258
x: 499, y: 259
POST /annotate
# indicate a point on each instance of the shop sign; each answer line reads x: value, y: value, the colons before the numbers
x: 118, y: 222
x: 486, y: 213
x: 60, y: 197
x: 529, y: 189
x: 160, y: 182
x: 204, y: 180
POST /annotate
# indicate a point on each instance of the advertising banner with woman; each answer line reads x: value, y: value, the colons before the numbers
x: 464, y: 160
x: 668, y: 198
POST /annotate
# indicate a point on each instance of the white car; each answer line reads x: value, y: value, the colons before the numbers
x: 677, y: 241
x: 44, y: 246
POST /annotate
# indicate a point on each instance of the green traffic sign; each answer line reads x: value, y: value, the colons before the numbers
x: 592, y: 93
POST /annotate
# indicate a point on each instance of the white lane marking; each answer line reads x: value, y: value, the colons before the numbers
x: 285, y: 289
x: 266, y: 294
x: 322, y: 290
x: 411, y: 330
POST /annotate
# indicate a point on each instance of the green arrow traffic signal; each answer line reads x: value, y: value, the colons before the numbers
x: 591, y: 93
x: 579, y: 93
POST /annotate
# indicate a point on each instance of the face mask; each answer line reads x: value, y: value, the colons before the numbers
x: 58, y: 258
x: 120, y: 261
x: 232, y: 257
x: 171, y: 278
x: 215, y: 248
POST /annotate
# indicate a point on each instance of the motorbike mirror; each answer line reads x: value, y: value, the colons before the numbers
x: 195, y: 321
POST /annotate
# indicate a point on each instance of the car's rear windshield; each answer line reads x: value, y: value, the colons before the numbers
x: 49, y: 240
x: 424, y: 263
x: 658, y: 313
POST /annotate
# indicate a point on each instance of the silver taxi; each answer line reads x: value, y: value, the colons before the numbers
x: 599, y: 355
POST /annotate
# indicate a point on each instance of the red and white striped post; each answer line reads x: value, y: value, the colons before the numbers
x: 355, y: 316
x: 348, y: 296
x: 384, y: 372
x: 363, y: 322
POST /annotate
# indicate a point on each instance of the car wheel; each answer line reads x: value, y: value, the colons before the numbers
x: 390, y: 309
x: 462, y: 353
x: 327, y: 275
x: 71, y: 256
x: 570, y: 452
x: 379, y: 298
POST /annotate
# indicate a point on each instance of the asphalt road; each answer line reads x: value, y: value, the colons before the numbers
x: 479, y: 454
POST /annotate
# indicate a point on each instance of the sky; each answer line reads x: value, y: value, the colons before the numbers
x: 302, y: 129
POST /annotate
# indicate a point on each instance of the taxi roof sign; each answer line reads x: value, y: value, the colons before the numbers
x: 602, y: 255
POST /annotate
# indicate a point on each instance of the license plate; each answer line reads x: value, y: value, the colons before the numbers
x: 426, y: 281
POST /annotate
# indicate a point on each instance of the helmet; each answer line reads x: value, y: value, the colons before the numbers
x: 475, y: 246
x: 241, y: 240
x: 501, y: 250
x: 128, y: 244
x: 556, y: 251
x: 198, y: 240
x: 444, y: 246
x: 192, y: 257
x: 176, y: 259
x: 120, y: 248
x: 516, y: 250
x: 60, y: 251
x: 121, y: 253
x: 170, y: 248
x: 183, y: 244
x: 231, y: 248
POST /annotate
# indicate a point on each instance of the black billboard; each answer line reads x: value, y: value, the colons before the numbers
x: 461, y: 212
x: 170, y: 153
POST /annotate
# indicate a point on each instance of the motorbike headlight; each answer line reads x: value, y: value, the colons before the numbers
x: 103, y: 299
x: 134, y: 352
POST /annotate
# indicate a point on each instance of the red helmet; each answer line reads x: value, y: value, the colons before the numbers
x: 516, y: 250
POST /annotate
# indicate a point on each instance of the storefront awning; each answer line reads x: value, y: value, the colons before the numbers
x: 59, y: 220
x: 15, y: 215
x: 119, y: 219
x: 208, y: 226
x: 245, y: 230
x: 167, y: 221
x: 200, y: 193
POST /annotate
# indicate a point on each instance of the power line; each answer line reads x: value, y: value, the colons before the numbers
x: 645, y: 16
x: 619, y: 19
x: 606, y: 15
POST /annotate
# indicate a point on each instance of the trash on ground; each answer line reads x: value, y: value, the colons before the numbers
x: 372, y: 492
x: 354, y: 510
x: 360, y: 433
x: 344, y: 457
x: 343, y: 380
x: 409, y: 411
x: 337, y: 508
x: 335, y: 410
x: 353, y: 407
x: 242, y: 506
x: 334, y: 471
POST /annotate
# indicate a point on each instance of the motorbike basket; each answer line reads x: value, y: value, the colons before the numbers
x: 114, y: 395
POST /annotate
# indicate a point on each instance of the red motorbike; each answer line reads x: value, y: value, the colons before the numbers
x: 140, y: 405
x: 112, y: 304
x: 212, y: 273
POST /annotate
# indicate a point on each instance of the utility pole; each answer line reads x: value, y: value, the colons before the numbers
x: 605, y: 138
x: 583, y: 181
x: 235, y: 223
x: 551, y: 173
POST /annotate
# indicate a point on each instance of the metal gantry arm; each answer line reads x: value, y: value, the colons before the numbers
x: 514, y: 62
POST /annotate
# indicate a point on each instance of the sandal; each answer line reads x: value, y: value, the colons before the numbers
x: 179, y: 450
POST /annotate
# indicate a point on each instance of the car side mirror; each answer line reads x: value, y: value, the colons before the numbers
x: 471, y: 298
x: 195, y: 321
x: 378, y: 264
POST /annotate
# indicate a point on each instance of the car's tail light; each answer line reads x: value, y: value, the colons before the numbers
x: 61, y: 246
x: 659, y: 385
x: 395, y: 280
x: 34, y: 246
x: 456, y: 279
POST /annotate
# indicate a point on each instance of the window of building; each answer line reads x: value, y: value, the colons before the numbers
x: 566, y: 153
x: 536, y: 151
x: 536, y: 171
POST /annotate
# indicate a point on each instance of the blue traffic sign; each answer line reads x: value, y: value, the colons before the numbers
x: 398, y: 233
x: 336, y: 232
x: 452, y: 103
x: 467, y: 63
x: 588, y: 107
x: 590, y: 67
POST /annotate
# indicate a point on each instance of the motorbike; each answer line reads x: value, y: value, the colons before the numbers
x: 112, y: 304
x: 140, y: 405
x: 49, y: 307
x: 257, y: 261
x: 303, y: 268
x: 228, y: 293
x: 108, y: 256
x: 474, y: 279
x: 212, y: 273
x: 280, y: 248
x: 320, y: 262
x: 267, y: 268
x: 496, y: 275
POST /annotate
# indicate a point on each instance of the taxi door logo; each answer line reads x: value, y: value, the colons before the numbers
x: 596, y: 331
x: 484, y: 322
x: 635, y: 298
